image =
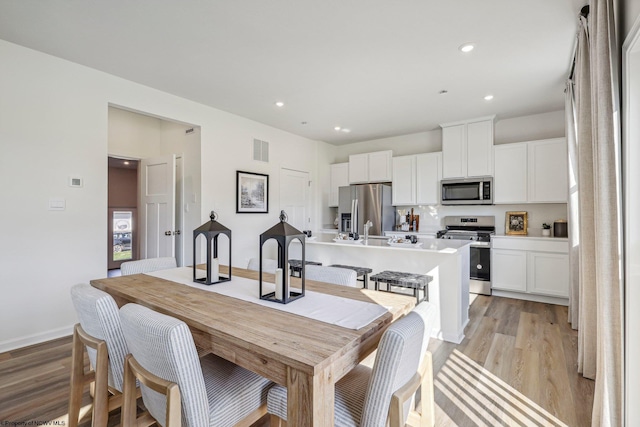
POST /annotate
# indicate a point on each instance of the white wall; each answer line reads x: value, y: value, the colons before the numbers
x: 132, y: 135
x: 53, y: 124
x: 530, y: 128
x: 422, y: 142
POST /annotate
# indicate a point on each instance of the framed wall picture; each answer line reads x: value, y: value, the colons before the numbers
x: 252, y: 192
x: 516, y: 223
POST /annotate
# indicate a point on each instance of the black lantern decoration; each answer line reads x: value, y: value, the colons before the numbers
x: 284, y: 234
x: 211, y: 230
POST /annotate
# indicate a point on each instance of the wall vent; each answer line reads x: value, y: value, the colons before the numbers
x: 260, y: 150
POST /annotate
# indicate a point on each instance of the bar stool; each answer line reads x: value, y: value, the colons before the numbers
x: 404, y: 280
x: 360, y: 271
x: 295, y: 266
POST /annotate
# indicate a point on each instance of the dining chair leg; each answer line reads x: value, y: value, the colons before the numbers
x: 276, y: 421
x: 427, y: 402
x: 98, y: 379
x: 77, y: 379
x: 101, y: 397
x: 128, y: 415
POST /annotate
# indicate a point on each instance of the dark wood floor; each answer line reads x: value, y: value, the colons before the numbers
x: 516, y: 366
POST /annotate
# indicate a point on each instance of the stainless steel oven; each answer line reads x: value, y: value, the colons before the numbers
x: 480, y: 268
x: 478, y: 231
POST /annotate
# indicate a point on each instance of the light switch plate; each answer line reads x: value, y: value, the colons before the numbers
x: 56, y: 204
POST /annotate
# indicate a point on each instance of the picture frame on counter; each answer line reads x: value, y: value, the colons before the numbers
x: 516, y: 223
x: 252, y: 192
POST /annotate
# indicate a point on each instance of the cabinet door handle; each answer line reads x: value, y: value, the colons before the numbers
x: 176, y: 233
x: 167, y: 233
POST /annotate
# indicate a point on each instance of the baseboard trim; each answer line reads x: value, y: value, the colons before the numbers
x: 35, y: 338
x: 531, y: 297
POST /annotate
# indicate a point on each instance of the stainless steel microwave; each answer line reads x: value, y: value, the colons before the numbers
x: 469, y: 191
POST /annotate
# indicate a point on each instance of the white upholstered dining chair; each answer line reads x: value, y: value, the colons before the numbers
x: 268, y: 265
x: 147, y: 265
x: 212, y: 390
x: 100, y: 332
x: 370, y: 397
x: 335, y: 275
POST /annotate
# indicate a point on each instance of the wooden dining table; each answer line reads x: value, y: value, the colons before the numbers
x: 307, y: 356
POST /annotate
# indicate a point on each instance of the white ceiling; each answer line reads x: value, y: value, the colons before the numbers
x: 373, y: 66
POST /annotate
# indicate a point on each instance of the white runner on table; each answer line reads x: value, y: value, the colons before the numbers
x: 345, y: 312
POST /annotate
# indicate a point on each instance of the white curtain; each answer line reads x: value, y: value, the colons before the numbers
x: 594, y: 207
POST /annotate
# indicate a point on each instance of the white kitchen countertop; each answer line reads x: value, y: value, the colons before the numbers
x: 428, y: 245
x: 531, y: 237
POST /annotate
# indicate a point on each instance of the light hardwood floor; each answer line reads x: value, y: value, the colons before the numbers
x: 516, y: 366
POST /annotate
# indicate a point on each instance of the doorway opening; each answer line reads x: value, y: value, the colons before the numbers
x: 167, y: 186
x: 122, y: 230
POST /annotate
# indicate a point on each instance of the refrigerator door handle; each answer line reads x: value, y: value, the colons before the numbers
x: 354, y: 215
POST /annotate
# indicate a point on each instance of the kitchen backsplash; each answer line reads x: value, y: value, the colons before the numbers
x: 431, y: 216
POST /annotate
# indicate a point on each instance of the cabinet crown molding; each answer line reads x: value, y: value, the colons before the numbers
x: 464, y: 122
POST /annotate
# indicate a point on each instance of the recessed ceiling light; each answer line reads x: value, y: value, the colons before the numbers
x: 279, y: 104
x: 337, y: 128
x: 346, y: 130
x: 488, y: 97
x: 467, y: 47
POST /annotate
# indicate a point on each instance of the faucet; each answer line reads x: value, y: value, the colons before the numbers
x: 367, y: 225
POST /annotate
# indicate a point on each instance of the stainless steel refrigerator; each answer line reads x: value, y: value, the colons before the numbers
x: 366, y: 202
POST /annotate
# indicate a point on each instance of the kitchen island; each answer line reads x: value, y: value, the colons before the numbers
x: 446, y: 261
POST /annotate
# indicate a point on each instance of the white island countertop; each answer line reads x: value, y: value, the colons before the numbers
x: 446, y: 261
x: 430, y: 245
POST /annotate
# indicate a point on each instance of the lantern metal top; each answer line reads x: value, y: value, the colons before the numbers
x: 282, y: 228
x: 212, y: 225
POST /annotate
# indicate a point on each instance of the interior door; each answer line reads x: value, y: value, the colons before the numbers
x: 157, y: 192
x: 294, y: 187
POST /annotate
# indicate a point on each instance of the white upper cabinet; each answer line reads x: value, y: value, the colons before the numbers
x: 428, y: 176
x: 454, y: 151
x: 467, y: 148
x: 531, y: 172
x: 339, y: 178
x: 510, y: 173
x: 416, y: 179
x: 479, y: 148
x: 404, y: 181
x: 370, y: 167
x: 548, y: 171
x: 358, y: 168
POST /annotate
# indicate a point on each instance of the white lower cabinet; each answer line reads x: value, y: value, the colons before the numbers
x: 530, y: 267
x: 548, y: 274
x: 509, y: 270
